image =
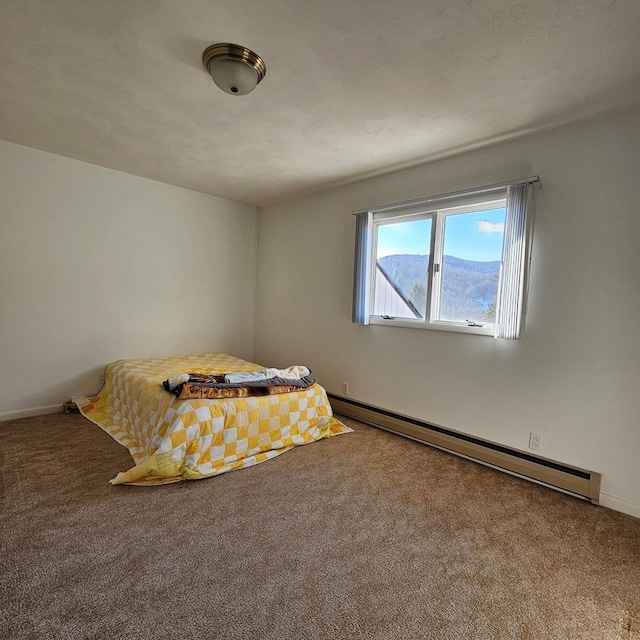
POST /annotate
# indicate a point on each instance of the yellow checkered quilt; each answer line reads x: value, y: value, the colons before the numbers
x: 172, y: 440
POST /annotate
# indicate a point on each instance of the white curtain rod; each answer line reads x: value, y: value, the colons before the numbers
x: 451, y: 194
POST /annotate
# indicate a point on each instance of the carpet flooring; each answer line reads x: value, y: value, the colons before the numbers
x: 366, y: 535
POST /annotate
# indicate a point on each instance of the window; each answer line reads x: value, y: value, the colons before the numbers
x: 453, y: 262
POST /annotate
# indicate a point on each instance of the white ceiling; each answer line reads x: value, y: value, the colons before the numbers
x: 353, y: 87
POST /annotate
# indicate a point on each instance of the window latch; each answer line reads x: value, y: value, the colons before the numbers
x: 472, y: 323
x: 388, y: 317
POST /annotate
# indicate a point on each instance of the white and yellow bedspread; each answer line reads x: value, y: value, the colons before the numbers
x: 172, y: 440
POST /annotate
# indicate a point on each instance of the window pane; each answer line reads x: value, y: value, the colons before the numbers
x: 400, y: 275
x: 471, y: 266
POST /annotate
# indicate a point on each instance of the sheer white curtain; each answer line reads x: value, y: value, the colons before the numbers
x: 513, y: 267
x: 361, y: 268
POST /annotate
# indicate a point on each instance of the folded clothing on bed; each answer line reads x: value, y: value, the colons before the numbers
x: 200, y: 385
x: 290, y: 373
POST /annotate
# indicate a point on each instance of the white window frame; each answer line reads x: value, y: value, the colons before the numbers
x: 439, y: 208
x: 376, y: 222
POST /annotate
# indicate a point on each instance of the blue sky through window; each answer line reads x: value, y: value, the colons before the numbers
x: 404, y: 237
x: 472, y: 236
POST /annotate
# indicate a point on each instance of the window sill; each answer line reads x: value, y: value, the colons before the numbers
x: 405, y: 323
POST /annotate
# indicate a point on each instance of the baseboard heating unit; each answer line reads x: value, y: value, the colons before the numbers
x: 579, y: 482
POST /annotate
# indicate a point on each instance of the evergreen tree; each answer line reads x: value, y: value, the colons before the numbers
x: 490, y: 313
x: 418, y: 296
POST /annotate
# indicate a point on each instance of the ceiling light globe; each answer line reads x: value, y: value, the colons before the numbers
x: 233, y: 76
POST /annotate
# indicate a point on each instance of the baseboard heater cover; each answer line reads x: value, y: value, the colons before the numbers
x: 579, y: 482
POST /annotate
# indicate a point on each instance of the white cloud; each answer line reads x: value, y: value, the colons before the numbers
x: 491, y: 227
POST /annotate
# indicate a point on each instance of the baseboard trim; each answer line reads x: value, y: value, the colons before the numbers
x: 574, y: 480
x: 31, y: 413
x: 618, y: 504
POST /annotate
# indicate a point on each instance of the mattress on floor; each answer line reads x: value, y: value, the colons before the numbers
x: 172, y: 440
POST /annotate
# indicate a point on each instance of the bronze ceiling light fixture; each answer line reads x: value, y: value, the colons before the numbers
x: 235, y: 69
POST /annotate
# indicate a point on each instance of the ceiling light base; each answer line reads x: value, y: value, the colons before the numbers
x: 235, y: 69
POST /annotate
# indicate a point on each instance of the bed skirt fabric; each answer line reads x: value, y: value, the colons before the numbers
x: 171, y: 440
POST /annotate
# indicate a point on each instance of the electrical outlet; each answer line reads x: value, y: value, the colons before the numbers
x: 101, y: 378
x: 345, y: 388
x: 534, y: 441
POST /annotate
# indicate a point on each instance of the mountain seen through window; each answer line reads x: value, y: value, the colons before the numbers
x: 469, y: 264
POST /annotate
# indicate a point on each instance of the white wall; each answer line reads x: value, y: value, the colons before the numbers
x: 574, y: 375
x: 97, y: 265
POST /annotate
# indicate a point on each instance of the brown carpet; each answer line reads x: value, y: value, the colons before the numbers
x: 366, y: 535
